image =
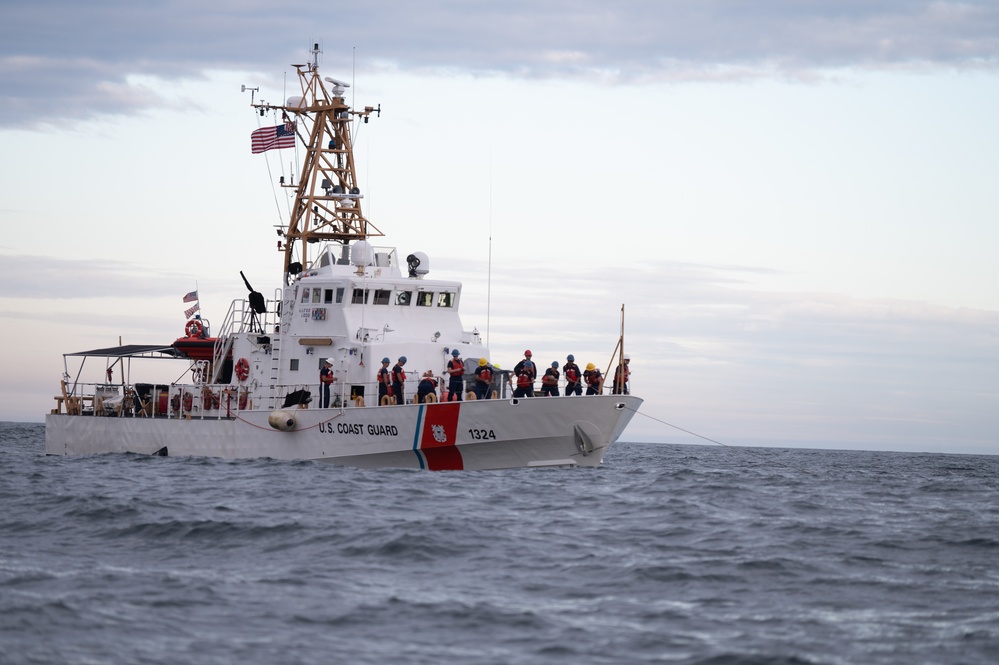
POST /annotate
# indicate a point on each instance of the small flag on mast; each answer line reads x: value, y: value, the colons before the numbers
x: 268, y: 138
x: 189, y: 312
x: 192, y: 296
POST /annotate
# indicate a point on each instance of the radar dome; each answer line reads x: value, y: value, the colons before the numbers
x: 361, y: 253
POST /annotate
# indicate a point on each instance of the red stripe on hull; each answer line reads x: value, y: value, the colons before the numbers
x: 440, y: 433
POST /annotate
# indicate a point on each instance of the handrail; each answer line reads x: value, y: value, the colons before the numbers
x: 239, y: 312
x: 176, y: 400
x: 223, y: 342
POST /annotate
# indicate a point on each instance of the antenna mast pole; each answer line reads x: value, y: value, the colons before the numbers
x: 327, y: 204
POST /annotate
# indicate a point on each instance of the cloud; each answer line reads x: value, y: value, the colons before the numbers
x: 42, y: 277
x: 66, y: 60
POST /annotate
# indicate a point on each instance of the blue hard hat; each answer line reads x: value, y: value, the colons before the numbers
x: 571, y: 358
x: 386, y: 360
x: 555, y: 363
x: 402, y: 359
x: 456, y: 353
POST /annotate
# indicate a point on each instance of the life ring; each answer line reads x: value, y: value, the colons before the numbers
x: 242, y: 369
x: 194, y: 328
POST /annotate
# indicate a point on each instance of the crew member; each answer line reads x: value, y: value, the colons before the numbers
x: 326, y: 379
x: 483, y: 380
x: 549, y: 382
x: 398, y: 379
x: 573, y: 377
x: 526, y: 372
x: 384, y: 382
x: 455, y: 370
x: 621, y: 375
x: 594, y: 380
x: 428, y: 384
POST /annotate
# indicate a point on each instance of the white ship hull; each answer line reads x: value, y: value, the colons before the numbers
x: 344, y: 307
x: 489, y: 434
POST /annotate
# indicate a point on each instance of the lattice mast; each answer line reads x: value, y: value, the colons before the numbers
x: 327, y: 203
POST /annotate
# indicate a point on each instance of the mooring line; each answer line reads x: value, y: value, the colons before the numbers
x: 724, y: 445
x: 686, y: 431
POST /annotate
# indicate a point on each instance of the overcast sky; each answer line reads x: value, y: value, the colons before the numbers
x: 796, y: 201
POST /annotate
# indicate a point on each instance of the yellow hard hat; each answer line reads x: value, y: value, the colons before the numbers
x: 483, y: 362
x: 590, y: 367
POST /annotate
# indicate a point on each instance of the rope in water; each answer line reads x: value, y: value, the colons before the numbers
x: 724, y: 445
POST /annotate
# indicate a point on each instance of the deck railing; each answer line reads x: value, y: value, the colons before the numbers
x: 207, y: 400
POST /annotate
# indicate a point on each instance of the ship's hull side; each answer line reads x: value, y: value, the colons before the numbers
x: 490, y: 434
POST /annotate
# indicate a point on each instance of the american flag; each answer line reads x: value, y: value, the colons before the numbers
x: 189, y: 312
x: 267, y: 138
x: 192, y: 296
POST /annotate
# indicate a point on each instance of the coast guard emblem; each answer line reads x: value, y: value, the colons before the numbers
x: 438, y: 436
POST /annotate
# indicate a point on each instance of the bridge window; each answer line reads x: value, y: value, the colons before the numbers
x: 403, y: 298
x: 382, y: 296
x: 305, y: 295
x: 445, y: 299
x: 360, y: 297
x: 425, y: 299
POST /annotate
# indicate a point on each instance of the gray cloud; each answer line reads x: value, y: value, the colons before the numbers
x: 63, y: 59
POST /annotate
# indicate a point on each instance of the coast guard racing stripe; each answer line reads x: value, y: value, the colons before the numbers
x: 436, y: 443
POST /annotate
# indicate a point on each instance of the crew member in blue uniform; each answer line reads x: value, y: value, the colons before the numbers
x: 526, y: 372
x: 621, y: 375
x: 483, y: 380
x: 398, y: 380
x: 384, y: 383
x: 427, y: 386
x: 549, y: 382
x: 573, y: 377
x: 456, y: 372
x: 326, y: 379
x: 594, y: 380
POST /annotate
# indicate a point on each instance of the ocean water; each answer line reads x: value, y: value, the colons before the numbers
x: 665, y: 554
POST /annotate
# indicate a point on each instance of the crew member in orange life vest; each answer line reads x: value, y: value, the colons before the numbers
x: 621, y: 375
x: 398, y: 379
x: 594, y: 380
x: 325, y: 379
x: 384, y: 380
x: 573, y: 377
x: 456, y: 370
x: 428, y: 384
x: 483, y: 380
x: 526, y: 372
x: 549, y: 382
